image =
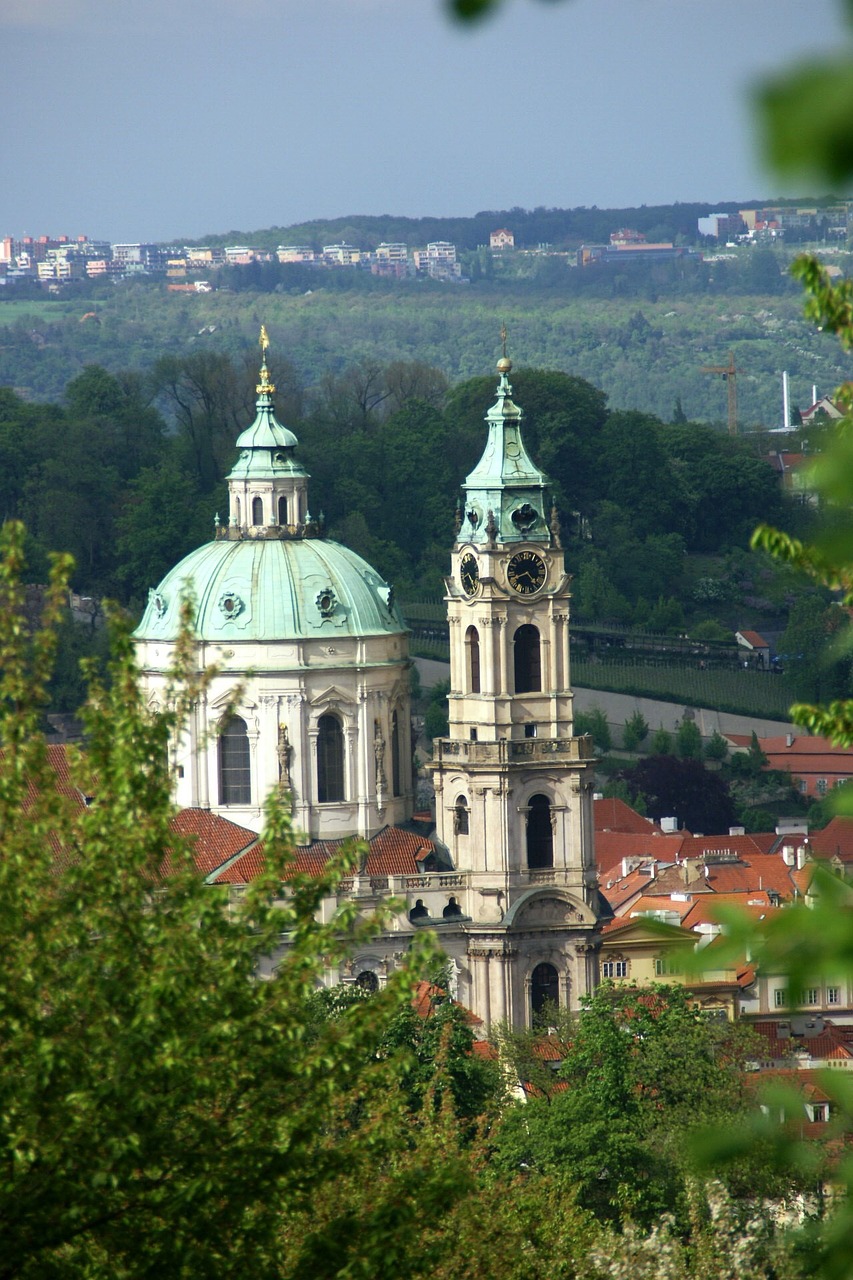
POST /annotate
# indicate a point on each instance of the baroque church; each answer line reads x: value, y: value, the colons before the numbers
x: 313, y: 641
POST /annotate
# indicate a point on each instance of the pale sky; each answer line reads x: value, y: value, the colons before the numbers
x: 167, y: 119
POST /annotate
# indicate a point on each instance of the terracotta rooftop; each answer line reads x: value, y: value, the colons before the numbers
x: 835, y: 840
x: 612, y: 814
x: 391, y: 852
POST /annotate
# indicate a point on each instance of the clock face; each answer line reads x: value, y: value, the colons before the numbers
x: 469, y: 574
x: 526, y: 572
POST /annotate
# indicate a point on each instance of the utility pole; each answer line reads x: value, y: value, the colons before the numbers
x: 729, y: 372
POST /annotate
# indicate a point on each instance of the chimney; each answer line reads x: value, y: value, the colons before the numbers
x: 737, y: 831
x: 786, y: 401
x: 789, y: 739
x: 802, y: 855
x: 788, y: 855
x: 669, y: 826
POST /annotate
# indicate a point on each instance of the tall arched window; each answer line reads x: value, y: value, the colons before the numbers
x: 235, y: 779
x: 540, y: 833
x: 330, y: 760
x: 396, y: 770
x: 257, y: 511
x: 282, y: 510
x: 472, y: 652
x: 544, y: 989
x: 528, y: 664
x: 237, y: 508
x: 460, y: 816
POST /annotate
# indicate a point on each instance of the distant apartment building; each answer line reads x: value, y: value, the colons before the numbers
x: 722, y: 226
x: 438, y: 261
x: 502, y: 239
x: 202, y: 257
x: 590, y: 254
x: 342, y: 255
x: 241, y: 255
x: 774, y: 221
x: 140, y: 258
x: 295, y: 253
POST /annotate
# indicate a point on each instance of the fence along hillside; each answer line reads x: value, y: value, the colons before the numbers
x: 621, y: 660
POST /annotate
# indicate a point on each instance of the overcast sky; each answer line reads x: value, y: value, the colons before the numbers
x: 161, y: 119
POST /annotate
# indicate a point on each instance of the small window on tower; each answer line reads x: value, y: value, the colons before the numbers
x: 282, y: 510
x: 257, y: 511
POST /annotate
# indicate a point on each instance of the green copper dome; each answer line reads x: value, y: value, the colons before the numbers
x: 260, y: 590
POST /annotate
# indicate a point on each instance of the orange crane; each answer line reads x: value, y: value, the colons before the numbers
x: 729, y: 372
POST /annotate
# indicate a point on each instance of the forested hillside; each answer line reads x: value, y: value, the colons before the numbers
x: 642, y: 334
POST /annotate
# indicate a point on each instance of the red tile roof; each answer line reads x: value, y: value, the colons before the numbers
x: 835, y: 840
x: 214, y: 839
x: 612, y: 814
x: 391, y: 852
x: 612, y: 846
x: 833, y: 1044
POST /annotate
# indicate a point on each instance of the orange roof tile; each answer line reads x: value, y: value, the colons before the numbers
x: 835, y: 840
x: 391, y: 852
x: 214, y: 839
x: 612, y: 814
x: 612, y: 846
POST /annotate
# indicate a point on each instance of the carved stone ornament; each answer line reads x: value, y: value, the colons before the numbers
x: 230, y: 604
x: 326, y: 601
x: 159, y: 602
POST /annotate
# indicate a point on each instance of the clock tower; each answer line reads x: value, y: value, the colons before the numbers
x: 513, y: 785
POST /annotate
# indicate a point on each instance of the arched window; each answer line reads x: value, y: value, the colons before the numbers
x: 472, y: 650
x: 368, y: 980
x: 528, y: 664
x: 544, y: 989
x: 396, y: 761
x: 330, y: 760
x: 540, y: 833
x: 282, y: 510
x: 460, y: 816
x: 452, y: 911
x: 235, y: 781
x: 257, y: 511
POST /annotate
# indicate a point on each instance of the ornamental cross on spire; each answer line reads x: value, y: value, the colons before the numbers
x: 503, y: 340
x: 264, y: 387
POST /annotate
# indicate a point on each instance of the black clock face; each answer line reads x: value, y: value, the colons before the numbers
x: 469, y: 574
x: 526, y: 572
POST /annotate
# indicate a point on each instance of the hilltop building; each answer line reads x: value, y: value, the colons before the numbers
x: 310, y: 636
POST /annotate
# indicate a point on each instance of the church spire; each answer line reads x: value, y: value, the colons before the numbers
x: 505, y: 484
x: 267, y: 486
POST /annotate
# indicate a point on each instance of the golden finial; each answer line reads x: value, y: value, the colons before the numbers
x: 504, y: 364
x: 264, y: 387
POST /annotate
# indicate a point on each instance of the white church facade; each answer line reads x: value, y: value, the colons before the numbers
x: 311, y: 638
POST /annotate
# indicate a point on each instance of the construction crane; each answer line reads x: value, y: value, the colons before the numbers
x: 729, y: 372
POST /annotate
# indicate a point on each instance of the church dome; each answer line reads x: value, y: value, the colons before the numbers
x: 273, y: 589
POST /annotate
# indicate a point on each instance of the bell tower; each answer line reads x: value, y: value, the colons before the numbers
x: 513, y: 785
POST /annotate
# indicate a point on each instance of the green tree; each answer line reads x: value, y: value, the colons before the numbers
x: 641, y: 1069
x: 594, y: 722
x: 161, y: 1111
x: 716, y: 748
x: 688, y: 741
x: 636, y: 731
x: 661, y: 743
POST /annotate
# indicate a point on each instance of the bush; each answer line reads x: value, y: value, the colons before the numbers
x: 594, y: 722
x: 636, y: 730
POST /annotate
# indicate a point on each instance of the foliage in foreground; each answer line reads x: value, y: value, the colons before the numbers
x: 161, y: 1111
